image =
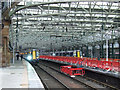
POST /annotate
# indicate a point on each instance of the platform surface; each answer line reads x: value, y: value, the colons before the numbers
x: 19, y: 75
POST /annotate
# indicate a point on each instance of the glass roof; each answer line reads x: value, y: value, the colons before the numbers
x: 56, y: 23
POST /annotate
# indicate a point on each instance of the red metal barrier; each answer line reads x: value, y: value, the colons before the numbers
x: 89, y: 62
x: 100, y: 64
x: 94, y: 63
x: 72, y: 71
x: 116, y: 66
x: 84, y: 63
x: 107, y: 65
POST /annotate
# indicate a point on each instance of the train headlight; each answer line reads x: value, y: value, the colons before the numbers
x: 29, y: 57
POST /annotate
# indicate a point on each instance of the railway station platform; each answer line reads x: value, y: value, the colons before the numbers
x: 19, y: 75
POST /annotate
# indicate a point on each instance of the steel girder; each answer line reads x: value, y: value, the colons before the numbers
x: 43, y: 24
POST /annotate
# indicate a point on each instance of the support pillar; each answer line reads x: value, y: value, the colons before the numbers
x: 1, y: 48
x: 109, y: 49
x: 113, y: 50
x: 82, y: 50
x: 93, y: 51
x: 6, y: 54
x: 119, y: 48
x: 106, y: 50
x: 0, y: 35
x: 101, y: 51
x: 87, y: 54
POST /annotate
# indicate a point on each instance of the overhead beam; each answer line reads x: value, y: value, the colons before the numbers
x: 62, y: 16
x: 53, y: 2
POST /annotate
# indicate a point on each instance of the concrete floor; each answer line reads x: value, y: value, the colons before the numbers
x: 19, y: 75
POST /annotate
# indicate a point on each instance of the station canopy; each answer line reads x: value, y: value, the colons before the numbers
x: 64, y: 24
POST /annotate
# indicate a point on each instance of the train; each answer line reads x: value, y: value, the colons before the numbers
x: 34, y: 54
x: 75, y: 57
x: 74, y: 53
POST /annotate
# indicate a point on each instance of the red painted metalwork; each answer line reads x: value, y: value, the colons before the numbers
x: 116, y: 66
x: 111, y: 65
x: 107, y: 65
x: 72, y: 71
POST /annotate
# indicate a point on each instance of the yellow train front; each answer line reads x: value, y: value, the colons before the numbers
x: 32, y: 56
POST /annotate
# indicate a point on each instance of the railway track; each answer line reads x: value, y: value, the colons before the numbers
x: 49, y: 80
x: 65, y: 81
x: 83, y: 79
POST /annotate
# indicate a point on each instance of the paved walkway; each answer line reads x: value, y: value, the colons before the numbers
x: 19, y: 75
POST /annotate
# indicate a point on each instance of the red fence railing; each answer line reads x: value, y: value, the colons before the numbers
x: 113, y: 65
